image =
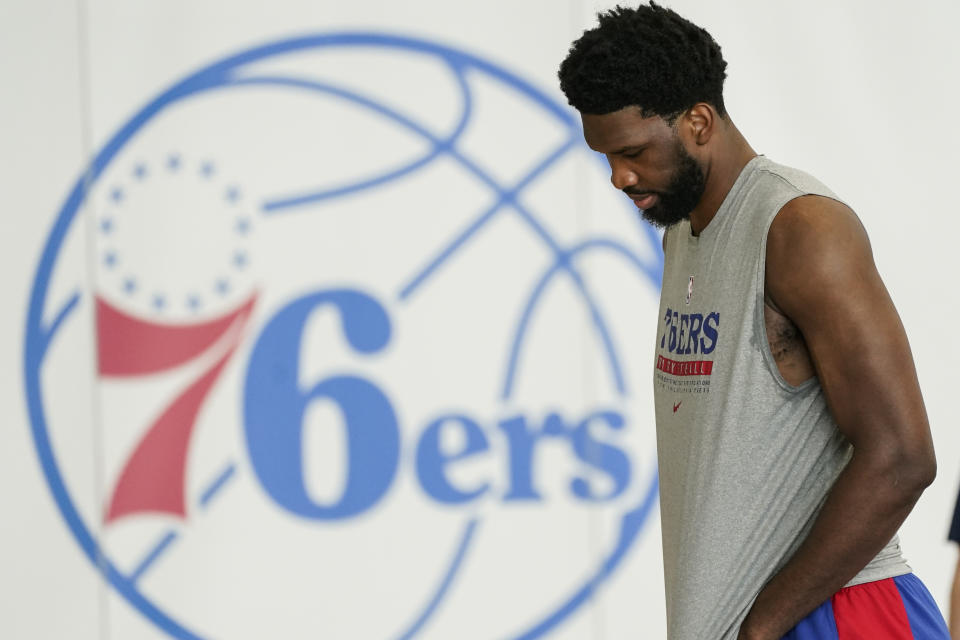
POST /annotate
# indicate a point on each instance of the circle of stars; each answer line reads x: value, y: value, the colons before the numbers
x: 159, y: 300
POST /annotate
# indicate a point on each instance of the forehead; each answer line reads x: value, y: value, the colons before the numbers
x: 622, y: 129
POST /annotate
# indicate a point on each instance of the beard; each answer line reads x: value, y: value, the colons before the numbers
x: 681, y: 195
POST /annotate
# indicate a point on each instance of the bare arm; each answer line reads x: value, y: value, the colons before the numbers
x: 820, y: 272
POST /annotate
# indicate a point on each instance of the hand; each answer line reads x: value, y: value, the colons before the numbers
x: 751, y: 630
x: 749, y: 635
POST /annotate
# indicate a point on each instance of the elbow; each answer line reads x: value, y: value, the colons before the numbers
x: 915, y: 470
x: 907, y: 470
x: 921, y: 459
x: 927, y: 471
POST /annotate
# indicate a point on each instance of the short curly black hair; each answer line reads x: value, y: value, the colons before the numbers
x: 649, y: 57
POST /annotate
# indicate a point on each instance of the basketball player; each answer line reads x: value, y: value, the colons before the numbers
x: 791, y: 433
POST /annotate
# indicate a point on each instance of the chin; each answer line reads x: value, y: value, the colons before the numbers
x: 662, y: 219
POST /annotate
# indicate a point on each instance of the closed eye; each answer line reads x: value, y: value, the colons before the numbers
x: 633, y: 154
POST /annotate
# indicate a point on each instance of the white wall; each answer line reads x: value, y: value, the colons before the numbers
x: 857, y: 93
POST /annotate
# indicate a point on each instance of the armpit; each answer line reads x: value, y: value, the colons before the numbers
x: 787, y: 346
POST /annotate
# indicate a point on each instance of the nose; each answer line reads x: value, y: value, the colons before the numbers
x: 621, y: 176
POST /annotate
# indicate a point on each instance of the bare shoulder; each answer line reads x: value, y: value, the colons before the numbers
x: 816, y: 222
x: 815, y: 244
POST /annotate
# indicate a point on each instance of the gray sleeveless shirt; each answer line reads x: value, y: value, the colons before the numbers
x: 746, y: 459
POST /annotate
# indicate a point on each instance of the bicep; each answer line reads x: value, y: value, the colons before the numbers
x: 821, y: 273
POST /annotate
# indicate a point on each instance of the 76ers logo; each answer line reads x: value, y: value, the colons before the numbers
x: 328, y: 387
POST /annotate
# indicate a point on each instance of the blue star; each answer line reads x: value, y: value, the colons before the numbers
x: 193, y: 302
x: 159, y: 302
x: 206, y: 169
x: 173, y: 162
x: 140, y: 171
x: 222, y: 286
x: 110, y: 259
x: 240, y: 259
x: 129, y: 286
x: 233, y: 194
x: 243, y: 225
x: 117, y: 194
x: 106, y: 225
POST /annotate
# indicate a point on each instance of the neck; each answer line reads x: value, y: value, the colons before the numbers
x: 722, y: 170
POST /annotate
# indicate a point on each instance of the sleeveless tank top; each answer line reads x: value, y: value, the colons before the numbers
x: 746, y: 459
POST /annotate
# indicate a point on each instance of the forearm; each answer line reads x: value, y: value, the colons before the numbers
x: 863, y: 511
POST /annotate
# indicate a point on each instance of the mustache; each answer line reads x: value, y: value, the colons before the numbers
x: 638, y: 192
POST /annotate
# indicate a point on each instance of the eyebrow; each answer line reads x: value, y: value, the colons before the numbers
x: 630, y: 147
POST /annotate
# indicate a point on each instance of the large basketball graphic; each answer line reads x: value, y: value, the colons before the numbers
x: 356, y: 336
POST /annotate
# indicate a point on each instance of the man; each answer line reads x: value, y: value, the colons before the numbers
x: 791, y: 433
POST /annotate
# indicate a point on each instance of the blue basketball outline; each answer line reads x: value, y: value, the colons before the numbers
x: 38, y: 337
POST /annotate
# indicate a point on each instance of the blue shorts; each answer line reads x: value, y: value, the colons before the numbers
x: 898, y: 608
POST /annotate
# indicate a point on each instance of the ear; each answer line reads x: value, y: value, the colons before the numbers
x: 697, y: 124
